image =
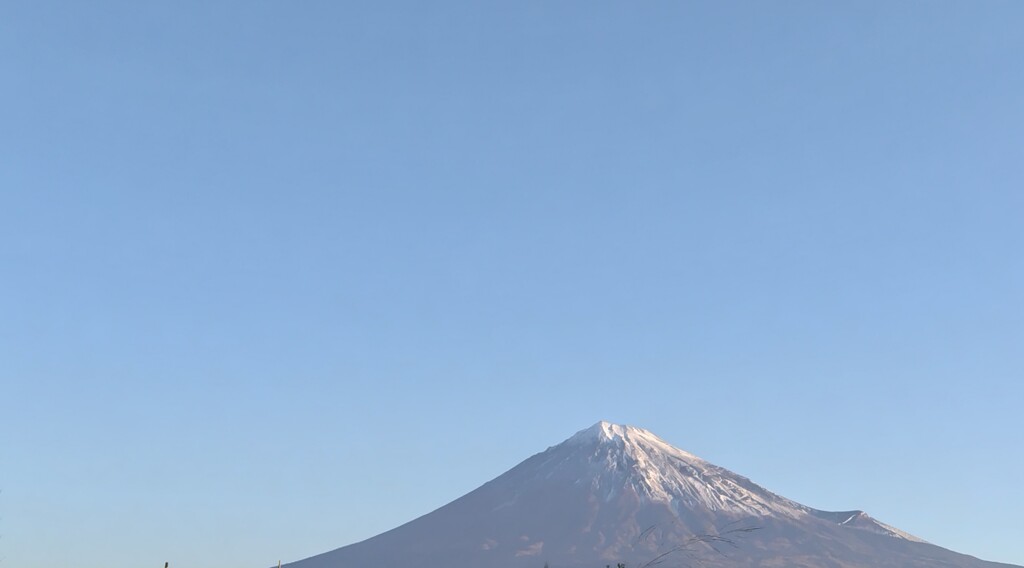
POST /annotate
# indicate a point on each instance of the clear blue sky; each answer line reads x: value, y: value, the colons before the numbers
x: 279, y: 276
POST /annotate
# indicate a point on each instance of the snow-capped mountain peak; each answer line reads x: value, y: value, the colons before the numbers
x: 634, y: 440
x: 619, y: 494
x: 626, y: 459
x: 604, y: 431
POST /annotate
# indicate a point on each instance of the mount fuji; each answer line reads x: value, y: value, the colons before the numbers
x: 618, y: 494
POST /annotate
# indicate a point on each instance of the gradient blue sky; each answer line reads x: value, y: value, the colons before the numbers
x: 279, y: 276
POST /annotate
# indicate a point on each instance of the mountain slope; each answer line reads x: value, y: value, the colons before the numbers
x: 616, y: 493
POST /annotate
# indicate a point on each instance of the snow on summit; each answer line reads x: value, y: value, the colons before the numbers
x: 627, y: 458
x: 614, y: 494
x: 621, y: 434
